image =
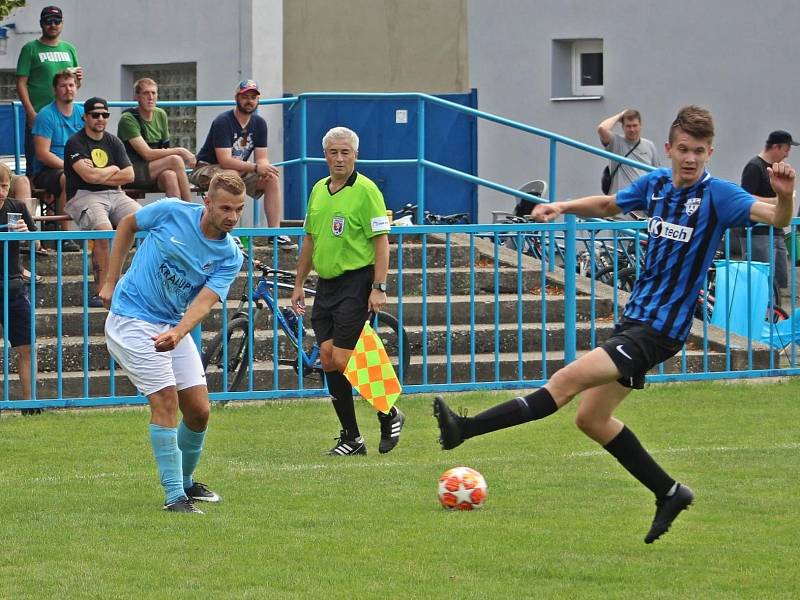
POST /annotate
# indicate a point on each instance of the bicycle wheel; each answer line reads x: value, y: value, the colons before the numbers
x: 388, y: 329
x: 624, y: 281
x: 237, y: 357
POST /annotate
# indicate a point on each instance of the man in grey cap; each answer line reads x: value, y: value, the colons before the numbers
x: 755, y: 180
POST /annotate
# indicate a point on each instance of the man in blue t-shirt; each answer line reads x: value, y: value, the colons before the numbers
x: 54, y: 125
x: 234, y: 136
x: 185, y: 265
x: 688, y: 212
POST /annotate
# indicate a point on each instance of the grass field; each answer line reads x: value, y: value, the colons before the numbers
x: 81, y: 506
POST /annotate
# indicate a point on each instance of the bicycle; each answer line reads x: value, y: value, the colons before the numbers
x: 410, y: 210
x: 290, y: 351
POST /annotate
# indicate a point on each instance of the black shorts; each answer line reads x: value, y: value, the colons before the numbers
x: 636, y: 348
x: 49, y: 180
x: 341, y: 307
x: 19, y: 313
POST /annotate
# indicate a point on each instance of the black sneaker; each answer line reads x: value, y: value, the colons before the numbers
x: 199, y: 492
x: 345, y: 447
x: 95, y: 302
x: 390, y: 430
x: 667, y: 508
x: 451, y: 433
x: 184, y: 505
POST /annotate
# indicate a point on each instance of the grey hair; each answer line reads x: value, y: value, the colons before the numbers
x: 340, y: 133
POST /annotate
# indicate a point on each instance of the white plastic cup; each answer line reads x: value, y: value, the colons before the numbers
x: 12, y: 220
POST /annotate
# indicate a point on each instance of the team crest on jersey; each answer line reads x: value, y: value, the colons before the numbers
x: 337, y: 226
x: 208, y: 266
x: 692, y: 204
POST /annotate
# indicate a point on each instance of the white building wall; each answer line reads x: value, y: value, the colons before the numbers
x: 733, y: 57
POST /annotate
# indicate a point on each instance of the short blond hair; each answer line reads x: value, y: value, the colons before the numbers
x: 5, y: 171
x: 139, y: 83
x: 228, y: 181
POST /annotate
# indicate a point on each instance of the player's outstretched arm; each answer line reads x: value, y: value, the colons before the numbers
x: 588, y: 206
x: 782, y: 180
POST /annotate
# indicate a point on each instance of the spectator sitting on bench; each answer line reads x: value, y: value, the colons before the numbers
x: 55, y: 123
x: 145, y: 132
x: 234, y: 136
x: 96, y: 165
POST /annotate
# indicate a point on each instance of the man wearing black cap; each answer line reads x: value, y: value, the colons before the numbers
x: 755, y: 180
x: 95, y: 166
x: 234, y: 136
x: 39, y: 61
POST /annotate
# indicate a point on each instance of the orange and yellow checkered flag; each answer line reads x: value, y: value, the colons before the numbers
x: 371, y: 373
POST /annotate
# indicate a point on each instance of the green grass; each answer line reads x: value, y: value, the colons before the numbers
x: 80, y: 506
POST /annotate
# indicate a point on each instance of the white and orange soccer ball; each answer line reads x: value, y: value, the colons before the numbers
x: 462, y: 488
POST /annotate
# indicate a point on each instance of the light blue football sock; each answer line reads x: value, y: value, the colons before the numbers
x: 168, y: 459
x: 191, y: 446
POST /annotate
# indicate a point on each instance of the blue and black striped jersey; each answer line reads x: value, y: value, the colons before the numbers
x: 685, y: 227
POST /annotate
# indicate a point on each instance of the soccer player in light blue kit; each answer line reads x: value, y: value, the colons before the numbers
x: 184, y: 266
x: 689, y: 212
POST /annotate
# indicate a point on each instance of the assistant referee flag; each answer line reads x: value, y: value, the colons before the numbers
x: 371, y: 373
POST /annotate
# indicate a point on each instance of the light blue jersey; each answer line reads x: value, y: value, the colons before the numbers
x: 173, y: 263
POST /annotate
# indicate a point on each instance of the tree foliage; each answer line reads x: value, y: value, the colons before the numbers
x: 6, y: 6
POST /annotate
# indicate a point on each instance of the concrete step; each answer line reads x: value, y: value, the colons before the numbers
x: 435, y: 255
x: 459, y: 368
x: 438, y: 339
x: 460, y: 306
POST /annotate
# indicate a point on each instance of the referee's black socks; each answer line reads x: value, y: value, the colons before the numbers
x: 536, y: 405
x: 342, y: 391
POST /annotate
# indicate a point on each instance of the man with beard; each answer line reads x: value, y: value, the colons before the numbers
x: 234, y: 136
x: 95, y: 166
x: 39, y: 61
x: 54, y: 125
x: 185, y: 265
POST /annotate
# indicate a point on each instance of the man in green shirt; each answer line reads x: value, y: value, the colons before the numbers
x: 39, y: 61
x: 346, y: 242
x: 145, y: 132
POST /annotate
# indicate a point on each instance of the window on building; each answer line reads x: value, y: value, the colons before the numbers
x: 577, y: 69
x: 177, y: 81
x: 8, y: 85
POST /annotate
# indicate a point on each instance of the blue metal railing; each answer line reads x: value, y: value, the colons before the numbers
x: 483, y: 272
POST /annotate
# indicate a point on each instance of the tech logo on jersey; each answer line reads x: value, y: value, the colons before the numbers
x: 99, y: 158
x: 659, y: 228
x: 692, y: 204
x: 337, y: 226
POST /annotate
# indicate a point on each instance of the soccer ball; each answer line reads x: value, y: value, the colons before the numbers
x: 462, y: 488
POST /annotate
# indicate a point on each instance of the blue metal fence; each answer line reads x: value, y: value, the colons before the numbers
x: 483, y: 306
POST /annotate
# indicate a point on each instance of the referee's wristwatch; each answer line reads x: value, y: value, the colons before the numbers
x: 379, y: 286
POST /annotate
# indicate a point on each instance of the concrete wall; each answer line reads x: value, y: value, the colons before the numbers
x: 733, y: 57
x: 372, y: 45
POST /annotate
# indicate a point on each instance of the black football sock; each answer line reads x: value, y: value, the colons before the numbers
x: 537, y: 405
x: 342, y: 392
x: 627, y: 449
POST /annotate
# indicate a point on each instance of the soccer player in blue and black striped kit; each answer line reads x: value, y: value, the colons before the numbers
x: 689, y: 211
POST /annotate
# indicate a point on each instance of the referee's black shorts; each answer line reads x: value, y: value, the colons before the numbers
x: 636, y: 348
x: 341, y: 307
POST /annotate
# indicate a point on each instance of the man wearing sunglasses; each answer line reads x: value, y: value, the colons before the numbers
x: 95, y: 166
x: 39, y: 61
